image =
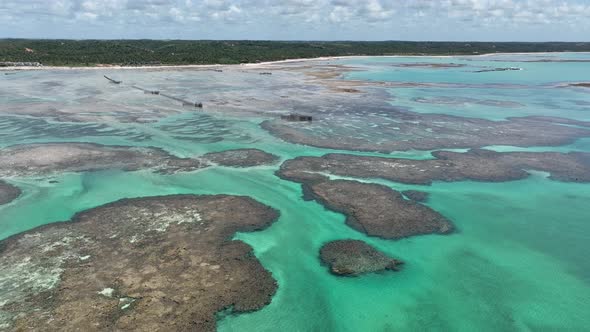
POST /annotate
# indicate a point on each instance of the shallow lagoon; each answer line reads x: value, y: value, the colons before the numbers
x: 518, y: 258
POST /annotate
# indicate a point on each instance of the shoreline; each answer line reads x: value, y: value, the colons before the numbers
x: 266, y: 63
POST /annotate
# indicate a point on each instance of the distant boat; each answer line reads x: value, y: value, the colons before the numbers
x: 112, y: 80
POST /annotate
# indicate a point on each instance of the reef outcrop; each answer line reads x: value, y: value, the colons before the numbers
x: 377, y: 210
x: 8, y: 192
x: 476, y: 164
x: 242, y: 158
x: 355, y: 257
x: 416, y: 195
x: 50, y: 158
x: 158, y: 263
x: 580, y: 85
x: 402, y: 130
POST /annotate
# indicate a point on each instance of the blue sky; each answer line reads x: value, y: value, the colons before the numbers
x: 499, y: 20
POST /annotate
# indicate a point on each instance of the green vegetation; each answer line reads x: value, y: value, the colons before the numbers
x: 149, y: 52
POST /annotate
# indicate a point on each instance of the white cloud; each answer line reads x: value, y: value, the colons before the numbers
x: 304, y: 14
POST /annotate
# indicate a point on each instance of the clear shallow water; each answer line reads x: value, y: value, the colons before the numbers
x: 464, y: 92
x: 517, y: 262
x: 474, y: 102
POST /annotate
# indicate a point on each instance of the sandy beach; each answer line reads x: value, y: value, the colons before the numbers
x: 266, y: 63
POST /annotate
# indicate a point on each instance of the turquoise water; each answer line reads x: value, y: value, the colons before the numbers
x: 518, y: 261
x: 533, y: 87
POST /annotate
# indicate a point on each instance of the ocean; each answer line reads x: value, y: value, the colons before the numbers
x: 516, y: 262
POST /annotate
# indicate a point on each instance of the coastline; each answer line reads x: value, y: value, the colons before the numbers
x: 266, y: 63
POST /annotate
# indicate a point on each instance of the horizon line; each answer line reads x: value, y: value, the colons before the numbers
x: 303, y: 40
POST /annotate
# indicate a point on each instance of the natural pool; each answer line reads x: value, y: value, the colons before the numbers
x: 517, y: 260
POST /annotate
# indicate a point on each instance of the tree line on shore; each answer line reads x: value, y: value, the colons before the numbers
x: 182, y: 52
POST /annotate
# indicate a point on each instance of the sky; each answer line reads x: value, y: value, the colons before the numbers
x: 450, y: 20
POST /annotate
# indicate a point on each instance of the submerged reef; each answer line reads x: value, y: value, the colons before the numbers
x: 44, y: 159
x: 242, y: 158
x: 157, y: 263
x: 355, y: 257
x: 487, y: 70
x: 373, y: 209
x: 476, y: 164
x: 51, y: 158
x: 378, y: 210
x: 402, y: 130
x: 8, y: 192
x: 434, y: 65
x: 465, y: 101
